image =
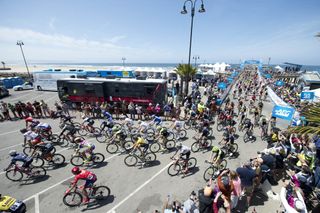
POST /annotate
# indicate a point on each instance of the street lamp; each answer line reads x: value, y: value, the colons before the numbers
x: 184, y: 11
x: 123, y: 61
x: 195, y: 58
x: 20, y: 43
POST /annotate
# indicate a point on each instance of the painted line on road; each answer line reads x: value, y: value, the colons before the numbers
x: 138, y: 189
x: 36, y: 204
x: 57, y: 184
x: 9, y: 132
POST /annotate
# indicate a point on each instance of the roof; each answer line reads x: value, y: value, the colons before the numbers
x: 311, y: 77
x: 122, y: 80
x: 291, y: 64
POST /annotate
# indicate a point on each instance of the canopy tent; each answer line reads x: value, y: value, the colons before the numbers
x: 278, y: 68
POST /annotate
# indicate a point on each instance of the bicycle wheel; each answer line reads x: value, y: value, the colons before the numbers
x: 170, y: 144
x: 246, y: 137
x: 171, y: 136
x: 37, y: 162
x: 182, y: 133
x: 240, y: 127
x: 174, y: 169
x: 38, y: 172
x: 97, y: 158
x: 54, y: 138
x: 72, y: 199
x: 131, y: 160
x: 128, y: 145
x: 82, y: 131
x: 63, y: 142
x: 101, y: 192
x: 209, y: 173
x: 77, y: 160
x: 233, y: 148
x: 195, y: 146
x: 13, y: 175
x: 155, y: 147
x: 220, y: 127
x: 58, y: 159
x: 102, y: 138
x: 192, y: 162
x: 223, y: 164
x: 96, y: 131
x: 112, y: 148
x: 150, y: 157
x: 28, y: 150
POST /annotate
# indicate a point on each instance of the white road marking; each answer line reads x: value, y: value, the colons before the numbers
x: 36, y: 204
x: 138, y: 189
x: 57, y: 184
x: 9, y: 132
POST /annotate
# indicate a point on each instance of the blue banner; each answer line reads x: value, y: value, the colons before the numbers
x: 268, y: 76
x: 282, y: 112
x: 279, y: 83
x: 230, y: 80
x: 222, y: 85
x: 307, y: 95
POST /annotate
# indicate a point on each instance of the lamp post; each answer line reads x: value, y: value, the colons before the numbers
x: 20, y: 43
x: 123, y: 61
x: 184, y: 11
x: 195, y: 58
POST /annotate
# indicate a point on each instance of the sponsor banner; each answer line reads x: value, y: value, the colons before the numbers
x: 222, y: 85
x: 282, y: 112
x: 307, y: 95
x: 275, y: 98
x: 279, y: 83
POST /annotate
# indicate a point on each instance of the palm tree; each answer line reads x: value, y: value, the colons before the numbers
x: 311, y: 113
x: 186, y: 72
x: 3, y: 64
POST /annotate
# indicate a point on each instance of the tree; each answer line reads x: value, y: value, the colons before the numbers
x: 311, y: 113
x: 3, y: 64
x: 186, y: 72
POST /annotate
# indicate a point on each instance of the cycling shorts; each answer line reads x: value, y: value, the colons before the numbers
x: 89, y: 182
x: 27, y: 163
x: 187, y: 155
x: 145, y: 147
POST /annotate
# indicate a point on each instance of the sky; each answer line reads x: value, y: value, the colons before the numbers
x: 154, y: 31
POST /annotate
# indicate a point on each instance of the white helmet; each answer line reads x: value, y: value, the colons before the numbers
x: 13, y: 153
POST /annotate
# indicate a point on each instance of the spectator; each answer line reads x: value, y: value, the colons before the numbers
x: 247, y: 176
x: 65, y: 108
x: 131, y: 109
x: 189, y: 206
x: 167, y: 111
x: 237, y: 188
x: 45, y: 108
x: 13, y: 110
x: 206, y: 196
x: 124, y: 108
x: 30, y: 109
x: 139, y: 112
x: 37, y: 108
x: 157, y: 110
x: 225, y: 185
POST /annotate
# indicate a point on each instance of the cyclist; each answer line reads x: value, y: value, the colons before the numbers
x: 32, y: 122
x: 163, y: 134
x: 84, y: 148
x: 248, y: 127
x: 43, y: 128
x: 203, y: 134
x: 264, y: 124
x: 142, y: 126
x: 184, y: 154
x: 45, y: 149
x: 71, y: 131
x: 81, y: 174
x: 119, y: 135
x: 31, y: 137
x: 128, y: 122
x: 107, y: 115
x: 156, y: 120
x: 176, y: 125
x: 273, y: 122
x: 20, y: 157
x: 88, y: 123
x: 140, y: 142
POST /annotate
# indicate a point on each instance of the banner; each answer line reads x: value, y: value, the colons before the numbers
x: 275, y: 98
x: 282, y: 112
x: 307, y: 95
x: 222, y: 85
x: 230, y: 80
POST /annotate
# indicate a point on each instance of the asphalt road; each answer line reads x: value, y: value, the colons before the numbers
x: 131, y: 188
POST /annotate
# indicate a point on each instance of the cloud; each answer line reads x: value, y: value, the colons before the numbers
x: 116, y: 39
x: 51, y: 23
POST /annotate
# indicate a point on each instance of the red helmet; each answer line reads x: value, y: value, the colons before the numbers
x: 29, y: 119
x: 75, y: 170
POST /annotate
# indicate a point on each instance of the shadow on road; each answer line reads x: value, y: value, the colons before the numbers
x: 152, y: 164
x: 97, y: 165
x: 98, y: 203
x: 54, y: 167
x: 191, y: 172
x: 34, y: 180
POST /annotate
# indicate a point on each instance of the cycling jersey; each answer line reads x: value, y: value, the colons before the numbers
x: 70, y: 128
x: 45, y: 148
x: 205, y: 132
x: 144, y: 125
x: 164, y: 132
x: 157, y: 120
x: 22, y: 158
x: 30, y: 135
x: 184, y: 149
x: 88, y: 120
x: 178, y: 124
x: 107, y: 115
x: 43, y: 126
x: 140, y: 141
x: 129, y: 121
x: 86, y: 175
x: 85, y: 144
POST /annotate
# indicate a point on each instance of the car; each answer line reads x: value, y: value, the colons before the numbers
x: 25, y: 86
x: 3, y: 92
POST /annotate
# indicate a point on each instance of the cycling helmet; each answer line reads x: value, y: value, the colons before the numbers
x: 78, y: 140
x: 75, y: 170
x: 139, y: 122
x: 83, y: 117
x: 159, y: 128
x: 135, y: 137
x: 153, y: 116
x: 29, y: 119
x: 13, y: 153
x: 179, y: 146
x: 116, y: 128
x: 215, y: 149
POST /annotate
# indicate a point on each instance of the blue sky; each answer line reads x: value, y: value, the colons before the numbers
x: 155, y: 31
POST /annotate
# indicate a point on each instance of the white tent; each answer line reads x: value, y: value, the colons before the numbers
x: 278, y: 68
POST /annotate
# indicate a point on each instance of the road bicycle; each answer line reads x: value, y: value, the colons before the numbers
x: 133, y: 158
x: 248, y: 136
x: 74, y: 198
x: 85, y: 130
x: 114, y: 145
x: 179, y: 165
x: 78, y: 160
x: 28, y: 150
x: 201, y: 144
x: 56, y: 159
x: 213, y: 170
x: 16, y: 172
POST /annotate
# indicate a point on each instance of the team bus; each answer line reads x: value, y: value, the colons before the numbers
x: 138, y: 90
x: 47, y: 79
